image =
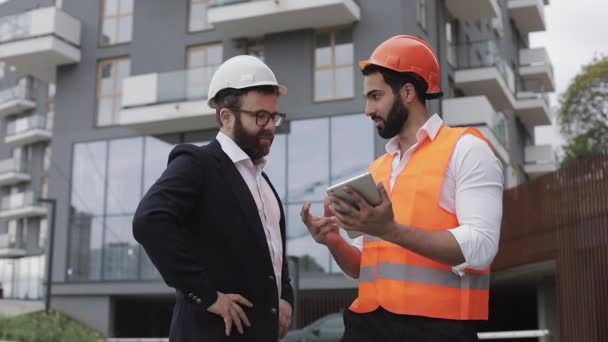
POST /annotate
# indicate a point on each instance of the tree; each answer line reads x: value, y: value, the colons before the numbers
x: 583, y: 116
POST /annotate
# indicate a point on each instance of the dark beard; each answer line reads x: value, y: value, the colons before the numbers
x: 395, y: 120
x: 249, y: 143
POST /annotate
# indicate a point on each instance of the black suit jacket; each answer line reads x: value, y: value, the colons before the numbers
x: 200, y: 226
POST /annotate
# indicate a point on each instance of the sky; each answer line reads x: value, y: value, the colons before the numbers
x: 576, y: 31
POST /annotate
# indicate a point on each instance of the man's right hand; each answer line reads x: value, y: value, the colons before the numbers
x: 325, y: 230
x: 229, y: 307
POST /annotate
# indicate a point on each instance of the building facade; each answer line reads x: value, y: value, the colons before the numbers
x: 128, y: 80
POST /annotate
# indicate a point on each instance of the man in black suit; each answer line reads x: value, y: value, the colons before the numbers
x: 213, y: 224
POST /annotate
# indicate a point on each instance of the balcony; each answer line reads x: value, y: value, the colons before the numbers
x: 38, y: 41
x: 11, y: 249
x: 477, y: 111
x: 20, y: 205
x: 528, y: 15
x: 481, y: 70
x: 11, y: 172
x: 533, y: 109
x: 168, y: 102
x: 17, y: 99
x: 535, y: 67
x: 539, y: 160
x: 254, y: 18
x: 473, y: 9
x: 27, y: 130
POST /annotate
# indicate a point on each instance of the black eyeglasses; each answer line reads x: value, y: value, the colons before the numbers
x: 262, y: 117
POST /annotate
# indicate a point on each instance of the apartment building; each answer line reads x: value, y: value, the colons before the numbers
x: 128, y: 80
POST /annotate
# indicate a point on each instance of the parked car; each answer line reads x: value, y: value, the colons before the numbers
x: 329, y: 328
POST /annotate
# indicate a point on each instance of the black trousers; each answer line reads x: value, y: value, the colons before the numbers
x: 384, y: 326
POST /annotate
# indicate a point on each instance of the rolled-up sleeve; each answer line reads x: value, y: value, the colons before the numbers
x: 477, y: 201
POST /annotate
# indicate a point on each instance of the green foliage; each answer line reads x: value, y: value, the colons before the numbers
x: 583, y: 116
x: 43, y: 327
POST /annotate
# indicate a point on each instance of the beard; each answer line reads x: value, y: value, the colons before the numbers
x: 250, y: 142
x: 395, y: 120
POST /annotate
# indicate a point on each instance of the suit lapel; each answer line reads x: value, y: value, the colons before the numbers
x: 241, y: 191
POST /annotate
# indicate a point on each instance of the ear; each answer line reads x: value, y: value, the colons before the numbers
x: 408, y: 93
x: 226, y: 116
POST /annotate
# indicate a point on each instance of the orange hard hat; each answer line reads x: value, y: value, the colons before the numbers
x: 406, y: 53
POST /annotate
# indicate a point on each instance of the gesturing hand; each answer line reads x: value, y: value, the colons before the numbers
x: 229, y: 307
x: 324, y: 230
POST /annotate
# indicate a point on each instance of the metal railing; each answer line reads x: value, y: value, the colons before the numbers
x: 516, y: 334
x: 499, y: 335
x: 25, y: 124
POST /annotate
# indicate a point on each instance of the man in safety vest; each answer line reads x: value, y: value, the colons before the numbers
x: 423, y: 260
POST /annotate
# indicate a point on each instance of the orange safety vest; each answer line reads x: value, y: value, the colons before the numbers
x: 402, y: 281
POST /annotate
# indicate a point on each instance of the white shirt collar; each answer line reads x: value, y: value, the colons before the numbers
x: 235, y: 153
x: 429, y: 129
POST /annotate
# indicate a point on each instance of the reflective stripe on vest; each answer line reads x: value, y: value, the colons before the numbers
x: 425, y: 275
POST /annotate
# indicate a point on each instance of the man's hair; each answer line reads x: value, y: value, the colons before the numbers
x: 396, y: 80
x: 231, y: 97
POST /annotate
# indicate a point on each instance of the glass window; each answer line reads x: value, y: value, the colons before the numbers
x: 276, y: 164
x: 42, y: 233
x: 202, y: 61
x: 88, y: 178
x: 121, y: 251
x: 109, y: 89
x: 197, y: 20
x: 255, y: 48
x: 350, y: 133
x: 86, y: 238
x: 314, y: 257
x: 116, y: 22
x: 308, y: 165
x: 421, y: 15
x: 334, y: 73
x: 124, y: 175
x: 148, y: 270
x: 155, y: 160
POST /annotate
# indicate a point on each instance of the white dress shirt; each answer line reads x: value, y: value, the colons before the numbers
x: 472, y: 190
x: 265, y: 200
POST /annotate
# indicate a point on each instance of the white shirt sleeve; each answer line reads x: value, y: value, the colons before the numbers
x: 477, y: 201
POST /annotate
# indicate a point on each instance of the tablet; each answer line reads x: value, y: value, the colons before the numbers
x: 364, y: 185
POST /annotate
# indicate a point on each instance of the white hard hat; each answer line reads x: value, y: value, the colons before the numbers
x: 241, y: 72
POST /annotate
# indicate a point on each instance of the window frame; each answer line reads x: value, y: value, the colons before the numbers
x: 333, y: 66
x: 117, y: 16
x: 98, y: 95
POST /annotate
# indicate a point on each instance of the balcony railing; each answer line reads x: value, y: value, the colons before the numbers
x: 25, y: 124
x: 11, y: 165
x: 219, y: 3
x: 17, y: 200
x: 22, y: 91
x: 482, y: 54
x: 168, y: 87
x: 6, y: 243
x: 39, y: 22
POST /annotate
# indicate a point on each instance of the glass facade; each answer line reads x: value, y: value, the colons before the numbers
x: 22, y: 278
x: 109, y: 178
